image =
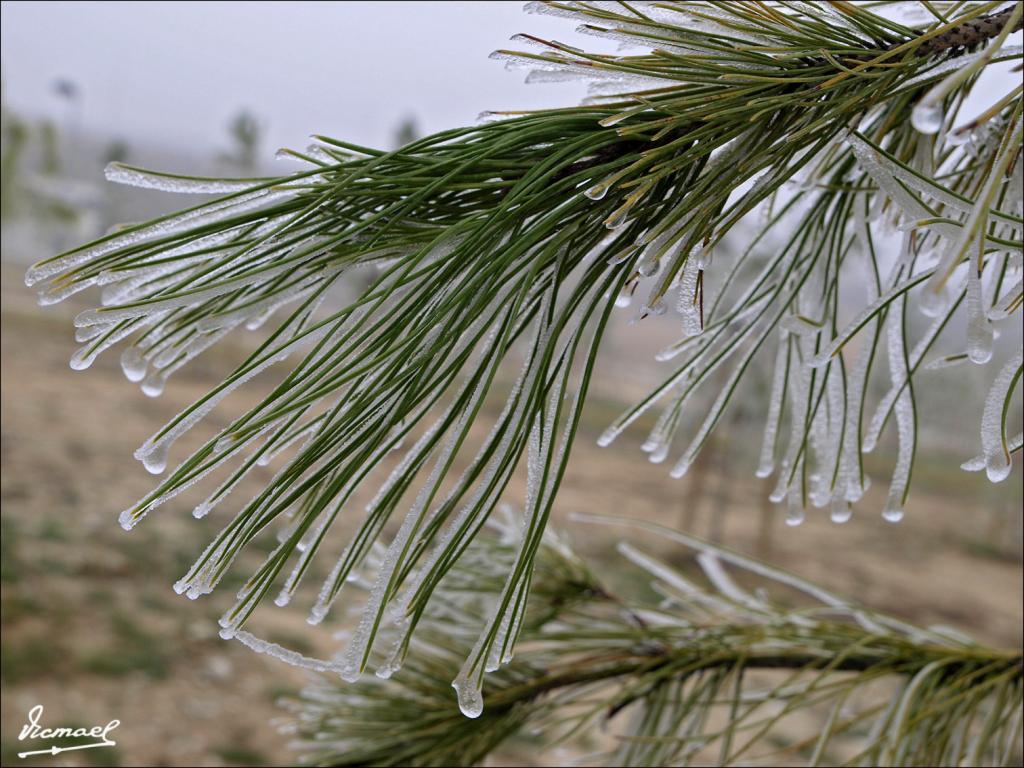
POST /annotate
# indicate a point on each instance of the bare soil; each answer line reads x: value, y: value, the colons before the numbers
x: 92, y: 629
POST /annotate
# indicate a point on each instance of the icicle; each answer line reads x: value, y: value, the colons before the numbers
x: 979, y: 462
x: 878, y: 168
x: 900, y: 383
x: 715, y: 412
x: 119, y: 173
x: 997, y: 457
x: 689, y: 306
x: 281, y: 653
x: 54, y: 294
x: 799, y: 393
x: 927, y: 116
x: 766, y: 463
x: 795, y: 509
x: 905, y: 417
x: 470, y: 696
x: 358, y: 648
x: 851, y: 483
x: 841, y: 512
x: 979, y: 330
x: 161, y: 441
x: 828, y: 436
x: 205, y: 215
x: 133, y: 364
x: 86, y: 355
x: 115, y: 313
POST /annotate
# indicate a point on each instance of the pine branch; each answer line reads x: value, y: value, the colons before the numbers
x: 973, y: 32
x: 498, y: 253
x: 587, y: 662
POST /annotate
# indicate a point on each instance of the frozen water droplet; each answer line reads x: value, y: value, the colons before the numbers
x: 82, y: 358
x: 608, y: 436
x: 127, y: 520
x: 623, y: 300
x: 795, y: 511
x: 997, y: 460
x: 659, y: 454
x: 681, y: 468
x: 997, y: 467
x: 133, y: 364
x: 979, y: 329
x: 471, y: 700
x: 153, y: 385
x: 892, y: 514
x: 927, y: 116
x: 841, y: 512
x: 649, y: 267
x: 617, y: 219
x: 598, y: 191
x: 155, y: 460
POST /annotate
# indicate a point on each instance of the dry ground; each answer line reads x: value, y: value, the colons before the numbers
x: 92, y: 630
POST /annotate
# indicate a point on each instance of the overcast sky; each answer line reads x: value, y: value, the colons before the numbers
x: 174, y: 73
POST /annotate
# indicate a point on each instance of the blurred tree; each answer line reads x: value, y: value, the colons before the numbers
x: 406, y: 133
x: 246, y: 132
x: 116, y: 151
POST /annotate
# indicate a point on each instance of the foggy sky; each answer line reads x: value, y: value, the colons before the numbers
x: 174, y: 73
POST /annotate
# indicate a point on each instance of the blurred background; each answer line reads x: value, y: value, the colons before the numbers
x: 91, y: 628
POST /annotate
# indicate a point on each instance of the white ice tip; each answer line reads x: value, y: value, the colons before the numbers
x: 126, y: 520
x: 926, y: 116
x: 841, y: 516
x: 81, y: 359
x: 154, y: 465
x: 997, y: 468
x: 471, y: 700
x: 153, y: 386
x: 974, y: 465
x: 227, y: 633
x: 153, y: 456
x: 133, y: 364
x: 350, y: 673
x: 892, y: 515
